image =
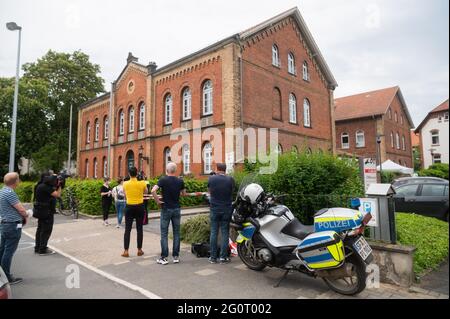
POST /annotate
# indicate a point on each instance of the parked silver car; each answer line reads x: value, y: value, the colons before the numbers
x: 5, y: 289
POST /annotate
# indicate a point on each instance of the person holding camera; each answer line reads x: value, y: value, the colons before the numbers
x: 46, y: 193
x: 106, y: 193
x: 119, y: 201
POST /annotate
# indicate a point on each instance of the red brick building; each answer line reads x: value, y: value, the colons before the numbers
x: 361, y: 118
x: 269, y: 76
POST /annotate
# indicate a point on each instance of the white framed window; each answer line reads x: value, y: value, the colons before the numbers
x: 275, y: 56
x: 106, y: 128
x: 397, y: 140
x: 142, y: 116
x: 105, y: 167
x: 187, y: 104
x: 392, y: 140
x: 446, y: 117
x: 403, y: 143
x: 95, y: 168
x: 186, y: 159
x: 294, y: 149
x: 207, y: 158
x: 291, y: 63
x: 292, y: 109
x: 435, y: 137
x: 306, y: 113
x: 279, y: 149
x: 437, y: 159
x: 121, y: 122
x: 345, y: 141
x: 97, y: 130
x: 360, y: 139
x: 131, y: 120
x: 167, y: 157
x: 207, y: 98
x: 88, y: 132
x: 305, y: 71
x: 168, y: 109
x: 87, y: 168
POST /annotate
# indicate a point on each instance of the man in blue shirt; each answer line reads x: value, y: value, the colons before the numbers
x: 12, y: 215
x: 220, y: 187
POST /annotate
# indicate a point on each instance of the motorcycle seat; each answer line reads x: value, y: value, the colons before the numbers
x: 296, y: 229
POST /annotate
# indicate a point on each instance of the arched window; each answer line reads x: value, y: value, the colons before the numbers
x: 121, y: 122
x: 403, y: 143
x: 88, y: 132
x: 345, y: 141
x: 207, y: 158
x: 95, y: 167
x: 207, y: 98
x: 105, y: 167
x: 392, y: 139
x: 167, y: 157
x: 306, y: 113
x: 291, y: 63
x: 294, y: 149
x: 390, y: 113
x: 275, y: 55
x: 168, y: 109
x: 86, y: 165
x: 187, y: 104
x: 396, y: 117
x: 131, y: 119
x: 305, y: 71
x: 292, y: 109
x: 186, y: 159
x: 130, y: 160
x: 142, y: 116
x: 397, y: 140
x: 279, y: 149
x: 276, y: 104
x: 97, y: 130
x: 105, y: 128
x: 360, y: 139
x: 401, y: 119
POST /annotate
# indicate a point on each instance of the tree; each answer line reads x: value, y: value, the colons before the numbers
x: 71, y: 80
x: 32, y: 115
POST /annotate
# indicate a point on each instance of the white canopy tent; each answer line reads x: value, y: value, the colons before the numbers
x: 390, y: 166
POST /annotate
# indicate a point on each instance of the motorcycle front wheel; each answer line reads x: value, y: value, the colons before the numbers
x: 246, y: 253
x: 353, y: 284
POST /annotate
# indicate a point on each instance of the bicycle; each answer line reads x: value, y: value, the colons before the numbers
x: 72, y: 207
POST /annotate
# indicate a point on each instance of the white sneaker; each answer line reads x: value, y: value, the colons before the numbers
x: 117, y: 226
x: 162, y: 261
x: 105, y: 223
x: 176, y: 260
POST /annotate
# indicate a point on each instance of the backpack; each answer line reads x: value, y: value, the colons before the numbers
x: 201, y: 250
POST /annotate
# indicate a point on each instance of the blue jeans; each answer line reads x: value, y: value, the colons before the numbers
x: 120, y: 207
x: 10, y: 237
x: 220, y: 217
x: 168, y: 215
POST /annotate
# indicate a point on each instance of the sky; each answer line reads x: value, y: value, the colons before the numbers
x: 368, y: 44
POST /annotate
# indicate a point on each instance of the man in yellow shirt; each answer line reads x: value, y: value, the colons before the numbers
x: 134, y: 193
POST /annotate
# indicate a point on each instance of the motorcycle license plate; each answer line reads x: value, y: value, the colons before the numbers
x: 362, y: 248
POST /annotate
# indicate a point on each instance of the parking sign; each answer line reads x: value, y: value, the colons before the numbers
x: 370, y: 205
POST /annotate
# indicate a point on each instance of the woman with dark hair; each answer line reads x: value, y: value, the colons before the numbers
x: 106, y: 194
x: 46, y: 192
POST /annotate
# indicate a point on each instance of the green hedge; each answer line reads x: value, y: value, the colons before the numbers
x: 24, y: 191
x: 436, y: 170
x: 196, y: 229
x: 311, y: 181
x: 87, y: 192
x: 430, y: 237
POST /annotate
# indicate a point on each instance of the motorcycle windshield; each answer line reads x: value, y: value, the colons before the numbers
x: 247, y: 180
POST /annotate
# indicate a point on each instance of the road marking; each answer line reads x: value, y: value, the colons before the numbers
x: 206, y: 272
x: 121, y: 263
x: 153, y: 256
x: 102, y: 273
x: 146, y: 262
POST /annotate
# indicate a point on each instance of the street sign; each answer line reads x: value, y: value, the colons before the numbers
x: 369, y: 172
x: 370, y: 205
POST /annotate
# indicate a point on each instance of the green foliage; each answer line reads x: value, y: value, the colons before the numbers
x: 312, y: 181
x: 436, y: 170
x: 430, y: 237
x: 417, y: 158
x: 195, y: 229
x: 389, y: 177
x: 24, y: 191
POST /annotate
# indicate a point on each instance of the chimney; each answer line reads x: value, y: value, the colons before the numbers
x: 131, y: 58
x: 151, y: 67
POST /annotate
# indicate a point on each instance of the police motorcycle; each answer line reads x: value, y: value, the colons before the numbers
x: 333, y: 249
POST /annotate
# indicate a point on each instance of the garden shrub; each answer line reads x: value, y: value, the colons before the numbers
x: 436, y: 170
x: 24, y: 191
x: 196, y: 229
x: 430, y: 237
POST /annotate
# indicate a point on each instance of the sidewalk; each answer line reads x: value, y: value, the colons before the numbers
x: 155, y: 214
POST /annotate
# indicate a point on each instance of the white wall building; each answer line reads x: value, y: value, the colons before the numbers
x: 434, y: 136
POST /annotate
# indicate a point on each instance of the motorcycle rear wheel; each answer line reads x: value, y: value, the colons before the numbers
x: 357, y: 281
x: 246, y: 255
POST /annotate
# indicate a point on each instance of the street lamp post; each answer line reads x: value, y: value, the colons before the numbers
x: 379, y: 156
x: 12, y: 26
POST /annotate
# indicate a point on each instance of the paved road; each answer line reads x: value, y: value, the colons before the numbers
x: 100, y: 247
x: 45, y: 278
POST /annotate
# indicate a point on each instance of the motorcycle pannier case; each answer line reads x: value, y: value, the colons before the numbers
x: 322, y: 250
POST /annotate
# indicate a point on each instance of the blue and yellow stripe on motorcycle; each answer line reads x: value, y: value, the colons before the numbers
x: 333, y: 256
x: 246, y: 233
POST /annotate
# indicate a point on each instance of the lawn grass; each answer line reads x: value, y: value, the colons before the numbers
x: 429, y: 235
